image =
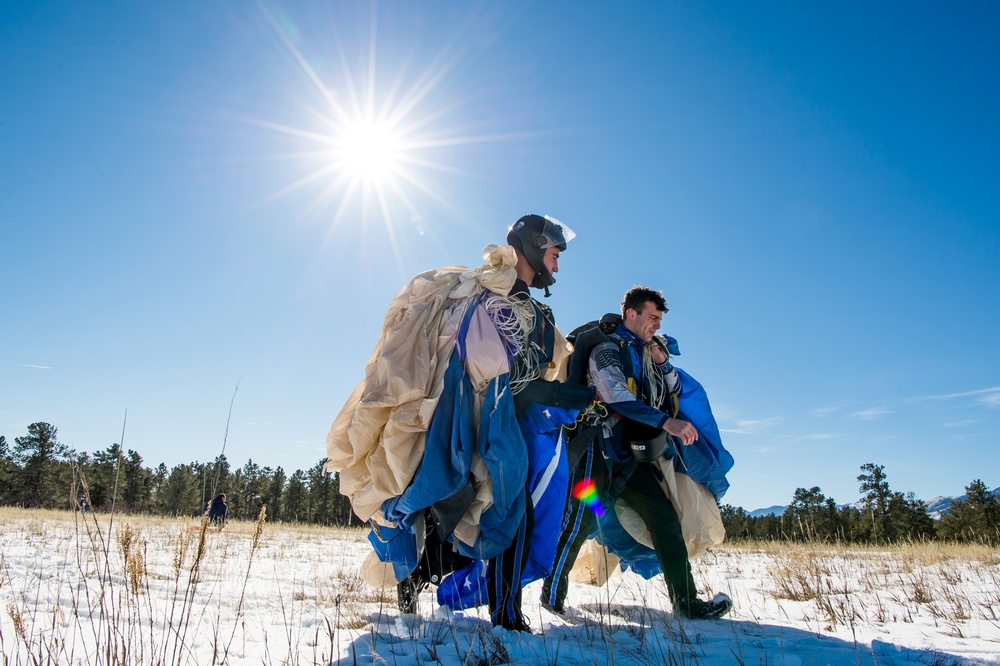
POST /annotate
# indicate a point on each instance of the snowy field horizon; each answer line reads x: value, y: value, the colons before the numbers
x: 102, y: 589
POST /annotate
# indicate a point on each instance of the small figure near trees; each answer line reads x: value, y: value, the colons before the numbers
x: 218, y: 511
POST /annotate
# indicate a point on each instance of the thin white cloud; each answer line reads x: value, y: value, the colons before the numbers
x: 724, y: 412
x: 992, y: 395
x: 958, y: 424
x: 40, y: 367
x: 751, y: 426
x: 990, y: 399
x: 758, y: 424
x: 871, y: 413
x: 830, y: 409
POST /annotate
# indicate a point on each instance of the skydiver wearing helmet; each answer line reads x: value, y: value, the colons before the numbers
x: 538, y: 242
x: 540, y: 407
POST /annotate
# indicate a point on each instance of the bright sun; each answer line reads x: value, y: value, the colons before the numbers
x: 372, y: 151
x: 369, y: 151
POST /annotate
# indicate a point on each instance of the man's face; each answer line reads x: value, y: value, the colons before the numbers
x: 644, y: 322
x: 551, y: 259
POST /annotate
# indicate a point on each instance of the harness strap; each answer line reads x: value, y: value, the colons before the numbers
x: 618, y: 482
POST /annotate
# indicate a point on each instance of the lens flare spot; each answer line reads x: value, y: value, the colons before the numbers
x: 585, y: 490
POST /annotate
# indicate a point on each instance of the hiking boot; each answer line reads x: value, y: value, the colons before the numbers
x: 556, y: 608
x: 520, y: 623
x: 407, y: 592
x: 696, y: 609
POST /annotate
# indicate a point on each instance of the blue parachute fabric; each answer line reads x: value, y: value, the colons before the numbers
x: 672, y: 346
x: 706, y: 461
x: 464, y: 588
x: 503, y: 450
x: 549, y: 483
x: 540, y: 426
x: 395, y: 545
x: 446, y: 464
x: 444, y: 468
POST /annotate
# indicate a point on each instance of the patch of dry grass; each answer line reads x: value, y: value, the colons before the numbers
x: 843, y: 584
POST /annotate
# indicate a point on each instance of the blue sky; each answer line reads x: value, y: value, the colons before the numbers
x: 813, y: 187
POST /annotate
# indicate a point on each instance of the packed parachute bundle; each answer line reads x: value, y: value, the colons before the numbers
x: 433, y: 425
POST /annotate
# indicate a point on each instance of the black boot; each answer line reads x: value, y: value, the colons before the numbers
x: 696, y: 609
x: 408, y: 591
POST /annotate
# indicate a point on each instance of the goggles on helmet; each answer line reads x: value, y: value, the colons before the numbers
x: 554, y: 234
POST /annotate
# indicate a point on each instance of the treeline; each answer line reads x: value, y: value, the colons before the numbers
x: 882, y: 516
x: 38, y: 471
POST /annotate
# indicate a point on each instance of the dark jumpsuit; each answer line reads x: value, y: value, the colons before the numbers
x: 604, y: 462
x: 503, y: 574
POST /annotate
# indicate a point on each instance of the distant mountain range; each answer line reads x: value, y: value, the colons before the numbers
x: 936, y: 507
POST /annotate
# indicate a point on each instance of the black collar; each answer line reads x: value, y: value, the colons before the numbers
x: 520, y: 290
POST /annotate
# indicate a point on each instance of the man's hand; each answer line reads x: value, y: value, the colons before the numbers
x: 682, y: 430
x: 657, y: 351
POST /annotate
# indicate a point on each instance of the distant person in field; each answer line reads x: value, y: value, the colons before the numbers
x: 218, y: 512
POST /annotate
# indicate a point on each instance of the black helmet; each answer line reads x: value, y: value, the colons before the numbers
x: 531, y: 236
x: 646, y: 443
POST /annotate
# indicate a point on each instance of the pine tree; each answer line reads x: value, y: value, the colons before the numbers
x: 875, y: 495
x: 38, y: 455
x: 804, y: 511
x: 322, y: 495
x: 180, y: 492
x: 275, y: 495
x: 7, y: 469
x: 296, y: 498
x: 975, y: 518
x: 137, y: 489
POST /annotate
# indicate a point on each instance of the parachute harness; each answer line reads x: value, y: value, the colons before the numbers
x: 595, y: 414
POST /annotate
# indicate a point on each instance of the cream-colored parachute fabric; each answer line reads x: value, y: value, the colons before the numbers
x: 594, y: 564
x: 701, y: 524
x: 701, y: 521
x: 376, y: 442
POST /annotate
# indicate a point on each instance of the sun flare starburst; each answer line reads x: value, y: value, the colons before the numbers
x: 370, y: 152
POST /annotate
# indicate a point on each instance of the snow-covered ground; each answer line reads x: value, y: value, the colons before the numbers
x: 72, y: 595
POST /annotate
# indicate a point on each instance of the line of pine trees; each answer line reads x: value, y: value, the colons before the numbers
x: 882, y: 516
x: 38, y: 471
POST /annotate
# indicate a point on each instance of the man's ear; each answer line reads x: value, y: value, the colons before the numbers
x: 630, y: 315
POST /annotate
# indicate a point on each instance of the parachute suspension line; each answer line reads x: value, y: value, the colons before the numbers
x: 504, y: 315
x: 525, y: 367
x: 658, y: 389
